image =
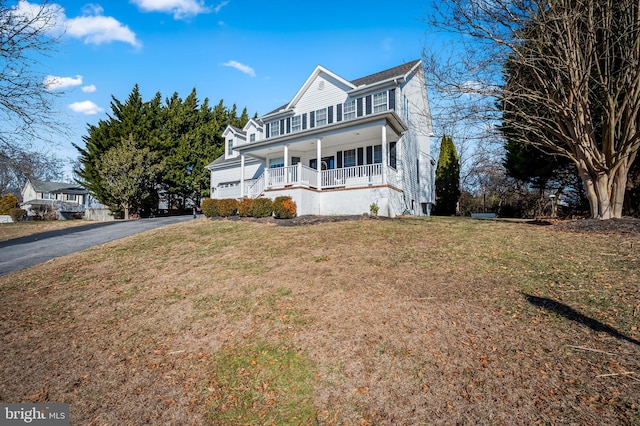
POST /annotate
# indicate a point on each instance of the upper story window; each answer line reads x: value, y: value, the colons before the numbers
x: 380, y: 102
x: 229, y: 146
x: 252, y: 137
x: 321, y: 117
x: 275, y: 128
x: 296, y: 124
x: 349, y: 110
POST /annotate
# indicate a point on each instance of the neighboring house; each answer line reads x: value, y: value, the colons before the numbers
x: 66, y: 199
x: 337, y: 147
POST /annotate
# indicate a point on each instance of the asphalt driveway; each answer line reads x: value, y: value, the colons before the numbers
x: 24, y: 252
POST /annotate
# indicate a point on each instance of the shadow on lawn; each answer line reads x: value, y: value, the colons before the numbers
x: 573, y: 315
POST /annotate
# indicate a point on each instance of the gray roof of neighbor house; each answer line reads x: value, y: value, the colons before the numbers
x: 57, y: 187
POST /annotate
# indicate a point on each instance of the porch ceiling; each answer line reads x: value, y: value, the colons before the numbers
x: 337, y: 134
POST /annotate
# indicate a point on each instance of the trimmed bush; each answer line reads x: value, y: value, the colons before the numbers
x: 8, y: 202
x: 284, y: 207
x: 17, y: 214
x: 262, y: 207
x: 227, y: 207
x: 209, y: 207
x: 245, y: 207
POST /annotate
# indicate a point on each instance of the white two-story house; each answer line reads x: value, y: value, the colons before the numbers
x: 338, y: 147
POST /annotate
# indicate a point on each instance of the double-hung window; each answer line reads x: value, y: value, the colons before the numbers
x: 275, y: 129
x: 296, y: 124
x: 349, y: 110
x: 229, y: 146
x: 380, y: 102
x: 252, y: 137
x: 321, y: 117
x: 350, y: 158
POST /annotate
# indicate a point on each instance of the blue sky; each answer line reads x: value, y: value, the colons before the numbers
x: 253, y: 54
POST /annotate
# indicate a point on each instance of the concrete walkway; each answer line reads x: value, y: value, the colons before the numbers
x: 25, y: 252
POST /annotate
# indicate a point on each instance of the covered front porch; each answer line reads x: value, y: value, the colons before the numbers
x: 342, y: 155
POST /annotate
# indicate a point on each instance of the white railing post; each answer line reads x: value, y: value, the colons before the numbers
x: 241, y: 175
x: 385, y: 160
x: 319, y: 162
x: 266, y: 178
x: 299, y: 174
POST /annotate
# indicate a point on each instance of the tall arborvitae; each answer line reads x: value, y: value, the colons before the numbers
x: 447, y: 178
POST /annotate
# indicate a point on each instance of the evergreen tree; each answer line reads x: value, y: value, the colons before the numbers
x: 129, y: 172
x: 447, y: 178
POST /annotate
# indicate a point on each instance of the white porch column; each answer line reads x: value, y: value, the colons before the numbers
x: 319, y: 161
x: 385, y: 160
x: 286, y: 164
x: 241, y: 175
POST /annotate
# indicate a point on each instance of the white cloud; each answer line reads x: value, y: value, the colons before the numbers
x: 85, y: 107
x: 92, y: 26
x: 89, y: 89
x: 54, y: 82
x: 240, y: 67
x: 181, y: 9
x: 98, y: 29
x: 221, y: 5
x: 47, y: 17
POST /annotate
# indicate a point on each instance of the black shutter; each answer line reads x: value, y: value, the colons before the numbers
x: 369, y: 155
x: 289, y: 125
x: 339, y: 112
x: 392, y: 155
x: 339, y: 155
x: 312, y: 119
x: 368, y: 109
x: 282, y: 126
x: 360, y: 156
x: 359, y: 107
x: 304, y: 121
x: 268, y: 126
x: 330, y: 115
x: 392, y: 99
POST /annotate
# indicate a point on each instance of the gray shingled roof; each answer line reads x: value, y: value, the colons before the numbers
x: 53, y: 187
x: 398, y: 71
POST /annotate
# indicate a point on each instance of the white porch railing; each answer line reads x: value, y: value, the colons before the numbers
x: 300, y: 175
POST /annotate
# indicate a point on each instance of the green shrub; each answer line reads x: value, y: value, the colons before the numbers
x: 284, y: 207
x: 245, y: 207
x: 209, y: 207
x: 8, y: 202
x: 262, y: 207
x: 227, y: 207
x: 17, y: 214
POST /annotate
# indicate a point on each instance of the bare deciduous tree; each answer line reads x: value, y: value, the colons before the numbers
x: 565, y: 73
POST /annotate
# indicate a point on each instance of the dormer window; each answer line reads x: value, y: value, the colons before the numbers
x: 229, y: 146
x: 252, y: 137
x: 380, y: 102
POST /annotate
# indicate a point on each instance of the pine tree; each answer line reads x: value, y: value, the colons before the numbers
x: 447, y: 178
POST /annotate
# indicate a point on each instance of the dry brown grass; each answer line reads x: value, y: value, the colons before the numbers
x: 433, y: 321
x: 21, y: 229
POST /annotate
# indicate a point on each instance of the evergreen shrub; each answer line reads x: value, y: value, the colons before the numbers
x: 245, y: 207
x: 227, y: 207
x: 209, y: 207
x: 284, y: 207
x: 262, y: 207
x: 17, y: 214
